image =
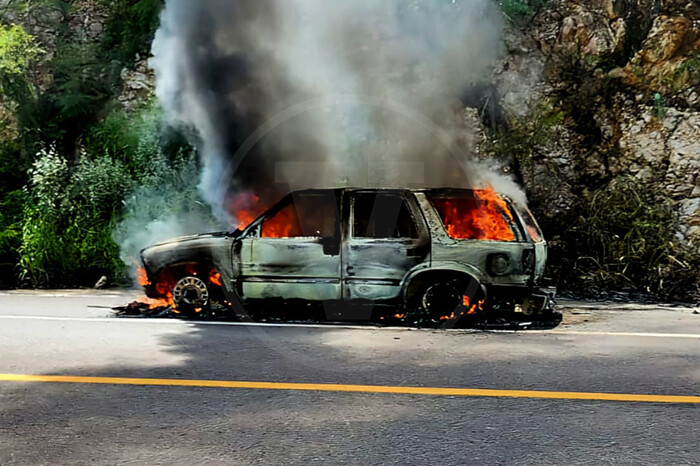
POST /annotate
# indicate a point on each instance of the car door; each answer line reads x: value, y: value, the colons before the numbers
x: 386, y: 238
x: 293, y: 251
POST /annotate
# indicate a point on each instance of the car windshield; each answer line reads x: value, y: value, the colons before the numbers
x: 533, y: 229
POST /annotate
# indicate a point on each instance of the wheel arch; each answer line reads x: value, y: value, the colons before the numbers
x: 421, y: 275
x: 182, y: 267
x: 204, y: 266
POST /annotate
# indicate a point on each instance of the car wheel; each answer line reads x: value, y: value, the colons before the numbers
x: 445, y: 301
x: 191, y: 296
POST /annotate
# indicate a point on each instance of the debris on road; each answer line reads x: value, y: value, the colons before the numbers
x: 101, y: 283
x: 309, y: 314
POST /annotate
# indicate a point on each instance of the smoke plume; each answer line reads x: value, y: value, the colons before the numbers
x: 290, y: 94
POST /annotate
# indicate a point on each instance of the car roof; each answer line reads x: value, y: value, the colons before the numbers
x: 433, y: 192
x: 387, y: 189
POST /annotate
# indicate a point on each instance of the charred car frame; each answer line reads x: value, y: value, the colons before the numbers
x: 442, y: 253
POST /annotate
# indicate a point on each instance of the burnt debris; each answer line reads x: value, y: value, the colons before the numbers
x: 309, y: 313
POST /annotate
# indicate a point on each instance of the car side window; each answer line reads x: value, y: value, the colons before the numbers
x: 474, y: 217
x: 381, y: 216
x: 304, y: 215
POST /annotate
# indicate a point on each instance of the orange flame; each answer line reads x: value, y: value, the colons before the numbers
x: 534, y: 234
x: 284, y: 224
x: 472, y: 308
x: 246, y: 207
x: 142, y: 277
x: 483, y: 217
x: 215, y: 277
x: 156, y: 303
x: 163, y: 288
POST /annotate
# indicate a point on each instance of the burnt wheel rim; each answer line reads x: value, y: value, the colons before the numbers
x: 191, y: 292
x: 440, y: 300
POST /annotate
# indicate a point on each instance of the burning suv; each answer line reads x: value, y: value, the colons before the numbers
x: 440, y: 253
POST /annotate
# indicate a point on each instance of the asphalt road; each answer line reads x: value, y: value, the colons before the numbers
x: 601, y: 349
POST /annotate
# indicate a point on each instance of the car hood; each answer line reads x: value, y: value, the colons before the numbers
x: 189, y: 238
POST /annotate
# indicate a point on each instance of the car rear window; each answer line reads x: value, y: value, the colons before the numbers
x: 480, y: 215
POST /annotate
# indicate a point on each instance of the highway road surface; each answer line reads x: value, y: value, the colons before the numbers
x: 616, y: 384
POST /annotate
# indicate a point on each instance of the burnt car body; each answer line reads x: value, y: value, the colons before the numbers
x: 444, y: 252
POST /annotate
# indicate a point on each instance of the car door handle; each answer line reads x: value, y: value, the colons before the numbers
x: 350, y: 270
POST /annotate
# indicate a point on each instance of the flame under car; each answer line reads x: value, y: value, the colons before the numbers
x: 440, y: 253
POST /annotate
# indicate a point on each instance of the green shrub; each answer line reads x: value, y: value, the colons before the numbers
x: 17, y: 50
x: 42, y: 254
x: 11, y: 207
x: 86, y: 75
x: 90, y: 218
x: 130, y: 28
x: 688, y: 72
x: 12, y: 179
x: 69, y: 218
x: 624, y: 240
x: 130, y: 137
x: 518, y: 10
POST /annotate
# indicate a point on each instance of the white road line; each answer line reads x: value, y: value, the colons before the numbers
x: 619, y: 334
x: 114, y: 320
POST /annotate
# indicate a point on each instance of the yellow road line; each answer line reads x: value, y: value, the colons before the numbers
x: 435, y: 391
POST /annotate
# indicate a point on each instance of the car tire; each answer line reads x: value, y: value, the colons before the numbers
x: 444, y: 301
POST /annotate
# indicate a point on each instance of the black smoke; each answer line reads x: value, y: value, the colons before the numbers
x: 313, y: 93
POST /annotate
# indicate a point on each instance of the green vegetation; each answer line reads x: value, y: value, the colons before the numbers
x: 624, y: 240
x: 69, y: 216
x: 659, y: 110
x: 519, y: 142
x: 73, y: 210
x: 619, y: 236
x: 17, y: 50
x: 131, y: 25
x: 689, y: 71
x: 70, y: 157
x: 520, y: 10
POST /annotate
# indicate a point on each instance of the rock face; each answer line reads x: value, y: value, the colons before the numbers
x: 625, y: 77
x: 86, y: 22
x: 138, y: 84
x: 663, y: 62
x: 665, y: 152
x: 591, y: 28
x: 87, y: 19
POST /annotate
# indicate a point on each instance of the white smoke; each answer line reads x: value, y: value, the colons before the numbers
x: 349, y: 85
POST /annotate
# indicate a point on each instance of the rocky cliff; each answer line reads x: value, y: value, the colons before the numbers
x: 618, y: 80
x: 621, y: 77
x: 80, y: 22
